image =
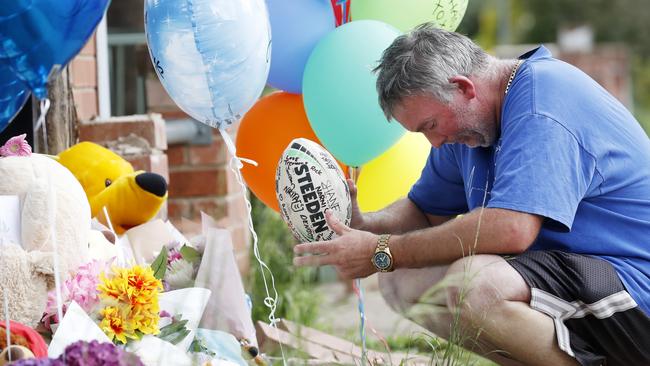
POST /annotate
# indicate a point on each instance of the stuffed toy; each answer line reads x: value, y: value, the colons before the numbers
x: 131, y: 198
x: 25, y: 343
x: 51, y: 204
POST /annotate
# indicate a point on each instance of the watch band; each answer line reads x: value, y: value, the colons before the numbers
x: 382, y: 242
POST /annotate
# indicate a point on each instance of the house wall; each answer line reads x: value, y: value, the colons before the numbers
x: 198, y: 176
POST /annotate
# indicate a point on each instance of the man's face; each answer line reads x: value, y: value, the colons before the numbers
x: 459, y: 121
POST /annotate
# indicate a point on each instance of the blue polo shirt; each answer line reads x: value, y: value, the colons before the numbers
x: 567, y: 151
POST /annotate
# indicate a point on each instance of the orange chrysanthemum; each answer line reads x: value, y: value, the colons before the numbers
x: 132, y: 298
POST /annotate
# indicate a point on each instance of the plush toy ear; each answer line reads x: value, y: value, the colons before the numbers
x: 43, y: 265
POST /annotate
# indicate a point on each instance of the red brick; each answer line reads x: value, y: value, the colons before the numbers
x: 213, y: 154
x: 154, y: 163
x: 151, y: 127
x: 89, y: 47
x: 83, y: 71
x: 214, y: 207
x: 85, y: 101
x: 178, y: 208
x: 171, y: 114
x: 193, y: 183
x: 176, y: 155
x: 157, y: 98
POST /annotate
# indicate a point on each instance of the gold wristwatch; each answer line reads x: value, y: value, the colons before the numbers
x: 383, y: 259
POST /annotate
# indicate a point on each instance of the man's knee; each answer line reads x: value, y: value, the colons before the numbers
x: 477, y: 283
x: 404, y: 288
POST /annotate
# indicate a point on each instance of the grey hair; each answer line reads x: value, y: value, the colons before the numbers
x: 423, y: 61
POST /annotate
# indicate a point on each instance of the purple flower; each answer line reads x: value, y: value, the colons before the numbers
x: 83, y: 353
x: 173, y: 256
x: 16, y: 146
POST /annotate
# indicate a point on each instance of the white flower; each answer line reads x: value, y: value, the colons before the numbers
x: 179, y: 274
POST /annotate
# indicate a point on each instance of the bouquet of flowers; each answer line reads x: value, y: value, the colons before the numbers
x: 123, y: 301
x: 156, y: 308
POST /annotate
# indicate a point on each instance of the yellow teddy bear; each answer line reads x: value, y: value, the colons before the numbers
x: 130, y: 197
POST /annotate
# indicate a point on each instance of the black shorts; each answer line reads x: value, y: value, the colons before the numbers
x: 596, y: 319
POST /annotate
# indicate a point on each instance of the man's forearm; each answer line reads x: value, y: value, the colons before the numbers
x: 499, y: 232
x: 400, y: 217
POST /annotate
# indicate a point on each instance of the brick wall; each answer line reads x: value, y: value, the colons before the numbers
x: 83, y: 75
x: 198, y: 176
x: 200, y: 179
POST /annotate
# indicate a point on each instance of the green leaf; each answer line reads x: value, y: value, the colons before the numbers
x: 190, y: 254
x: 174, y: 332
x: 198, y: 346
x: 159, y: 265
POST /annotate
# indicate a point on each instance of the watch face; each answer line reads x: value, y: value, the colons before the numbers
x: 382, y: 260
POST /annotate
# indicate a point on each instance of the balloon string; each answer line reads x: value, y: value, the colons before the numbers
x: 344, y: 14
x: 55, y: 254
x: 269, y: 301
x: 374, y: 331
x: 121, y: 256
x: 44, y: 108
x: 353, y: 172
x: 362, y: 325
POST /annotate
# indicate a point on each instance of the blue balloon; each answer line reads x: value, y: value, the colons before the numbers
x: 39, y: 37
x: 212, y: 56
x: 296, y: 27
x: 13, y: 95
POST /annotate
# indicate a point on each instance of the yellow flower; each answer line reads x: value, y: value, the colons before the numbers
x: 115, y: 324
x: 135, y: 292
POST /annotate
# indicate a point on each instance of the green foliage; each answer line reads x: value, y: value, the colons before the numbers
x: 613, y: 20
x: 174, y: 332
x: 297, y: 299
x: 159, y: 265
x: 190, y: 254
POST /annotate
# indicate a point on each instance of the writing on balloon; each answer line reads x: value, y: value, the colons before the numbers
x: 446, y: 12
x: 159, y: 68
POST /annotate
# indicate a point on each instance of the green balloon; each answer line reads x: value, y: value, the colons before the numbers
x: 340, y: 96
x: 406, y: 14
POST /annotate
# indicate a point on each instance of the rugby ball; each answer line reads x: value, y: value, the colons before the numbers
x: 309, y: 181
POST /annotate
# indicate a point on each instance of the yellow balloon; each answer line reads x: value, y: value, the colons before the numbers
x: 390, y: 176
x: 406, y: 14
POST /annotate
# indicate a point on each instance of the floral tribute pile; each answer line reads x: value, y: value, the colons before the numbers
x: 149, y: 298
x: 124, y: 304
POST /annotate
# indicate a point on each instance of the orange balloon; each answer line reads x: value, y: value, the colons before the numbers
x: 264, y: 132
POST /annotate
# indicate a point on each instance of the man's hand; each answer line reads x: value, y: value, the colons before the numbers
x: 350, y: 253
